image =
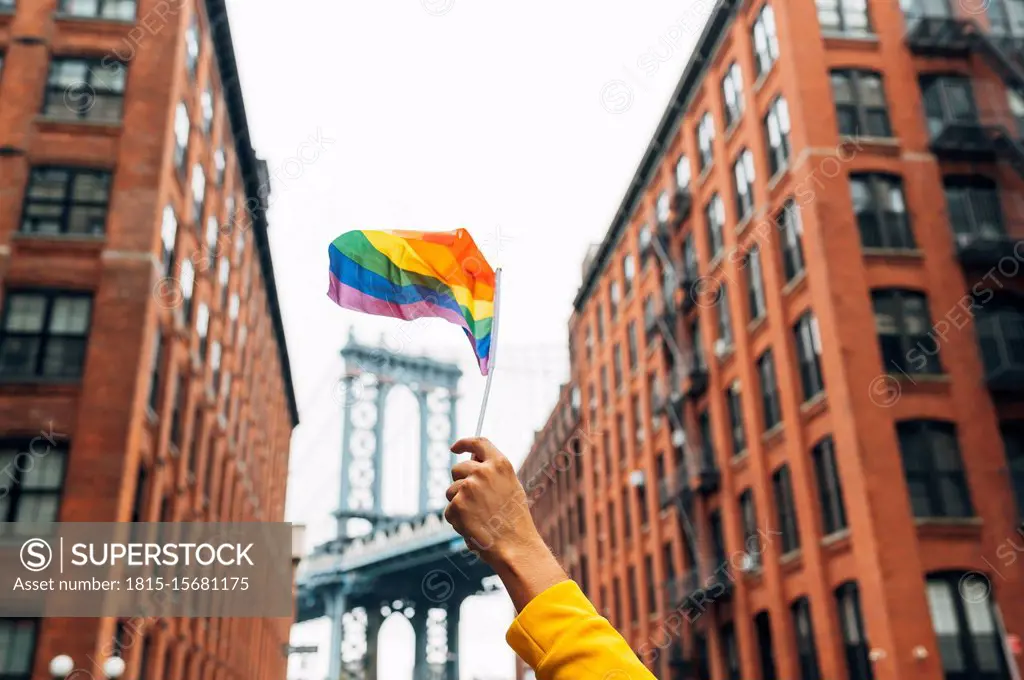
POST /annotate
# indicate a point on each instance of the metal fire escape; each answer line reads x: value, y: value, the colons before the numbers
x: 700, y: 582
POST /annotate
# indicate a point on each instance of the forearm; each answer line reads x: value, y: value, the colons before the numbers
x: 527, y: 571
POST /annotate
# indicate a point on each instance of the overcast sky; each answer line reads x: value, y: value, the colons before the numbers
x: 522, y: 122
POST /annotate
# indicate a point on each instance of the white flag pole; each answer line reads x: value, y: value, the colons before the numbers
x: 492, y: 353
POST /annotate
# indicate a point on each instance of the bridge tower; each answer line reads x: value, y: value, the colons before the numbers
x: 379, y: 564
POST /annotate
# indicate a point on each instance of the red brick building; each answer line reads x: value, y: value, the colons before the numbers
x: 143, y: 368
x: 800, y: 350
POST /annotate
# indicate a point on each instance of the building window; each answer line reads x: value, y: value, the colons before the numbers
x: 154, y: 371
x: 1000, y: 329
x: 18, y: 642
x: 615, y: 297
x: 724, y: 316
x: 808, y: 355
x: 785, y: 508
x: 776, y: 133
x: 1013, y: 442
x: 755, y: 284
x: 187, y: 280
x: 177, y: 413
x: 974, y: 211
x: 934, y: 469
x: 192, y: 46
x: 948, y: 100
x: 168, y: 238
x: 860, y: 103
x: 732, y: 94
x: 690, y: 266
x: 628, y: 273
x: 807, y: 654
x: 212, y: 232
x: 652, y: 585
x: 215, y: 355
x: 699, y: 360
x: 118, y: 10
x: 970, y: 644
x: 683, y: 173
x: 66, y: 201
x: 631, y: 577
x: 791, y: 241
x: 30, y: 492
x: 631, y: 345
x: 904, y: 325
x: 735, y: 403
x: 220, y: 163
x: 858, y: 664
x: 844, y: 16
x: 770, y: 402
x: 85, y: 89
x: 707, y: 442
x: 705, y: 140
x: 751, y: 533
x: 830, y: 491
x: 44, y: 334
x: 617, y: 365
x: 182, y: 130
x: 198, y: 193
x: 714, y: 214
x: 765, y: 653
x: 662, y: 210
x: 206, y: 106
x: 730, y: 652
x: 223, y: 276
x: 766, y: 40
x: 881, y: 212
x: 743, y: 184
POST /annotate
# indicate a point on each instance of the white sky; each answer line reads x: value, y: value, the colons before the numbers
x: 523, y: 122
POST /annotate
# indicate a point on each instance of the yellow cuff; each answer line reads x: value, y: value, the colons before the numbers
x: 530, y: 635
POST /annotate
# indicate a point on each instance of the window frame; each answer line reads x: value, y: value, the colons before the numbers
x: 965, y: 638
x: 925, y: 473
x: 777, y: 127
x: 63, y: 10
x: 766, y: 54
x: 17, y: 490
x: 785, y: 510
x: 855, y: 644
x: 44, y: 336
x: 757, y: 303
x: 714, y: 218
x: 807, y: 342
x: 791, y: 245
x: 832, y: 506
x: 771, y: 404
x: 857, y: 108
x: 67, y: 201
x: 732, y: 95
x: 843, y: 12
x: 705, y: 142
x: 12, y: 623
x: 891, y: 303
x: 895, y: 231
x: 743, y: 176
x: 803, y: 636
x: 85, y: 93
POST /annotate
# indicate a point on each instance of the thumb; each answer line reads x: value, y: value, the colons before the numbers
x: 482, y: 450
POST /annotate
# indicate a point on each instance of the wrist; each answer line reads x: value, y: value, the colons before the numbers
x: 526, y: 569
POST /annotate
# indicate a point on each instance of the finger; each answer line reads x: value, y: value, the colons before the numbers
x: 453, y: 490
x: 464, y: 469
x: 481, y: 449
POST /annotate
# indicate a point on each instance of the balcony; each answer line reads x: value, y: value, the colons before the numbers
x: 1000, y: 327
x: 982, y: 250
x: 937, y: 36
x: 697, y: 382
x: 654, y: 243
x: 708, y: 479
x: 692, y: 593
x: 676, y: 490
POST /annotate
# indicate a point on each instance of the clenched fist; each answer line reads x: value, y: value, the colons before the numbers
x: 487, y: 506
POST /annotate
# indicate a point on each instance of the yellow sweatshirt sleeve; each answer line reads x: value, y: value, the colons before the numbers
x: 562, y: 637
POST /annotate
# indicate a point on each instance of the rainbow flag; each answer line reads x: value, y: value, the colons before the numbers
x: 413, y: 274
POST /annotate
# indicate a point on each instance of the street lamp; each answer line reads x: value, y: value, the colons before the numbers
x: 113, y: 667
x: 61, y: 666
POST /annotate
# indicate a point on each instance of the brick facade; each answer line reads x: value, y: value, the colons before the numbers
x: 158, y: 420
x: 842, y: 400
